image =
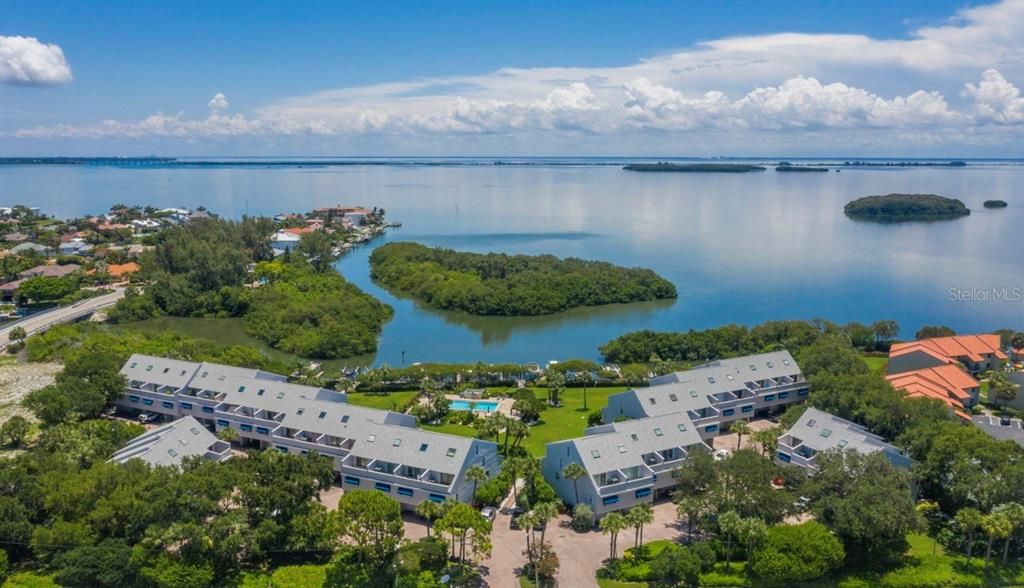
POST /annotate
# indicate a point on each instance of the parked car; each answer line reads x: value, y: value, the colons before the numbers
x: 489, y: 513
x: 721, y: 454
x: 147, y: 417
x: 1004, y: 420
x: 514, y: 515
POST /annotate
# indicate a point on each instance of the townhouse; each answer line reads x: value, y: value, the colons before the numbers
x: 626, y: 462
x: 369, y: 448
x: 977, y: 353
x: 716, y: 394
x: 817, y: 431
x: 171, y: 443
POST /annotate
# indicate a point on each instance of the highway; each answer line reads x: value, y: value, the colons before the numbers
x: 38, y: 323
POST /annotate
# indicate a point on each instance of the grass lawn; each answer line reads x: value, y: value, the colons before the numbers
x: 556, y: 424
x: 389, y: 401
x: 876, y: 364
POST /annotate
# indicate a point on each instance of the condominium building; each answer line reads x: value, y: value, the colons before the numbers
x: 370, y: 449
x: 171, y: 443
x: 817, y: 431
x: 626, y: 463
x: 715, y: 394
x: 977, y: 353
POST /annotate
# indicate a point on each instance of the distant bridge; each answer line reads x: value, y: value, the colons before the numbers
x: 37, y: 323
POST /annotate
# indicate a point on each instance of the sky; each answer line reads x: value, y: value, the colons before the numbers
x: 824, y: 78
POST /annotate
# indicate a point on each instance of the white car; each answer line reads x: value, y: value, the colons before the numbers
x: 147, y: 417
x: 722, y: 454
x: 489, y: 513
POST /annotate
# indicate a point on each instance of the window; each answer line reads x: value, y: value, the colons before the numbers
x: 382, y: 487
x: 673, y: 397
x: 149, y: 368
x: 436, y: 498
x: 204, y: 374
x: 208, y: 409
x: 186, y: 406
x: 783, y: 395
x: 404, y: 491
x: 281, y: 448
x: 194, y: 430
x: 681, y: 427
x: 351, y: 480
x: 222, y: 423
x: 711, y: 380
x: 260, y: 392
x: 658, y: 432
x: 614, y: 499
x: 785, y: 361
x: 172, y: 453
x: 769, y: 364
x: 784, y: 457
x: 622, y: 449
x: 595, y: 453
x: 147, y: 401
x: 262, y: 430
x: 450, y: 452
x: 371, y: 438
x: 167, y: 370
x: 344, y: 418
x: 747, y: 408
x: 133, y: 398
x: 221, y: 378
x: 246, y: 428
x: 642, y: 493
x: 811, y: 422
x: 826, y: 432
x: 769, y: 398
x: 397, y: 443
x: 652, y: 401
x: 167, y: 404
x: 322, y: 414
x: 753, y: 368
x: 693, y: 393
x: 300, y: 411
x: 280, y: 395
x: 241, y: 388
x: 134, y: 364
x: 423, y: 446
x: 841, y: 444
x: 729, y: 412
x: 711, y: 429
x: 634, y: 437
x: 802, y: 392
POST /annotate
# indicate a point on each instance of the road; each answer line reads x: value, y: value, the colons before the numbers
x: 38, y: 323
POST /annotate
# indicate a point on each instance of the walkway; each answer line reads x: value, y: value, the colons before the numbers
x: 42, y: 321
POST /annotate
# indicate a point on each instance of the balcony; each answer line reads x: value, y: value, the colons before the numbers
x: 626, y: 484
x: 423, y: 482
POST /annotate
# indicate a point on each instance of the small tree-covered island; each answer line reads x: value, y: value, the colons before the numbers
x: 694, y: 167
x: 510, y: 285
x: 995, y: 204
x: 905, y: 207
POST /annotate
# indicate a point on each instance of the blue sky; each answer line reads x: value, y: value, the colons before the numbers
x: 512, y: 78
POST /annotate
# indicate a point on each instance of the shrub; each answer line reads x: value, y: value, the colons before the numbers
x: 794, y: 553
x: 582, y: 517
x: 308, y: 576
x: 675, y: 565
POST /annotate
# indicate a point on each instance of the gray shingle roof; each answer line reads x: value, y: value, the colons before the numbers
x: 622, y: 445
x: 822, y: 431
x: 169, y: 444
x: 159, y: 370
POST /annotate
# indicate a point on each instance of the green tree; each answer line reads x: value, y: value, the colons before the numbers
x: 106, y: 564
x: 768, y: 439
x: 17, y: 335
x: 932, y: 331
x: 1002, y: 388
x: 1014, y: 514
x: 741, y: 428
x: 885, y: 330
x: 729, y: 524
x: 797, y: 553
x: 612, y: 524
x: 555, y: 386
x: 370, y: 521
x: 676, y: 566
x: 476, y: 474
x: 638, y: 516
x: 996, y: 525
x: 467, y: 527
x: 429, y: 510
x: 14, y: 430
x: 318, y: 248
x: 574, y: 471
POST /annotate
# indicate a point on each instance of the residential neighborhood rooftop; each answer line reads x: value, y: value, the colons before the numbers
x: 171, y: 443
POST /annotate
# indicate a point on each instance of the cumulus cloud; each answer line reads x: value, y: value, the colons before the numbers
x: 24, y: 61
x: 217, y: 103
x: 996, y: 99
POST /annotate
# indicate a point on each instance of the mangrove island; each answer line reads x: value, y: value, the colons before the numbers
x: 905, y: 207
x: 510, y: 285
x: 733, y: 168
x: 995, y: 204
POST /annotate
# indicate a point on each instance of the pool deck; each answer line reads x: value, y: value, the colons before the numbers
x: 504, y: 404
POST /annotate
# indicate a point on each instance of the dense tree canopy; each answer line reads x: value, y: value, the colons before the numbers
x: 512, y: 285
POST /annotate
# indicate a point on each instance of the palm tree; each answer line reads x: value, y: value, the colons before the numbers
x: 729, y: 524
x: 1014, y: 513
x: 611, y: 524
x: 969, y: 521
x: 997, y: 526
x: 1002, y: 389
x: 752, y: 530
x: 556, y: 384
x: 741, y: 428
x: 692, y: 507
x: 586, y: 378
x: 518, y: 430
x: 544, y: 512
x: 429, y: 510
x: 574, y: 472
x: 516, y: 466
x: 476, y: 473
x: 638, y: 516
x: 768, y: 439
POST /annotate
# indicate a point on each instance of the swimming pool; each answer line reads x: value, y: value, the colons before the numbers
x: 481, y: 405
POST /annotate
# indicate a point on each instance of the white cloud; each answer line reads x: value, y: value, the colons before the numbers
x: 217, y: 103
x: 24, y: 61
x: 996, y: 99
x: 779, y: 86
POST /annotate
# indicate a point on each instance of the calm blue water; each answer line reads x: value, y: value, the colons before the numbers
x: 482, y: 405
x: 741, y: 248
